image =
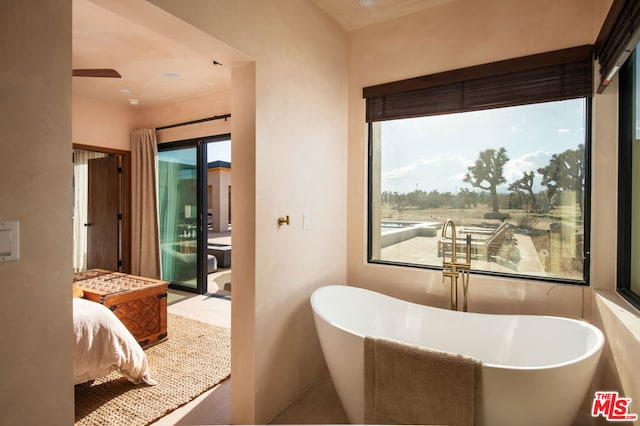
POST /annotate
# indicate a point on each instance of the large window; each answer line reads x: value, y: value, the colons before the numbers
x: 629, y: 181
x: 513, y: 175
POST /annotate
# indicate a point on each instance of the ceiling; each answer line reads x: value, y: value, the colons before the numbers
x: 157, y: 69
x: 352, y: 16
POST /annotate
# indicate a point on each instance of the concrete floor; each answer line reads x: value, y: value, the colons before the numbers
x: 318, y: 405
x: 424, y: 250
x: 213, y: 406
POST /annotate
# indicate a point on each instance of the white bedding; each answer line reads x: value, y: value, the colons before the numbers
x: 103, y: 344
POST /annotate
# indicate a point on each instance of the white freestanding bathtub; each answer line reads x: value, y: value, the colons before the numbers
x: 536, y: 369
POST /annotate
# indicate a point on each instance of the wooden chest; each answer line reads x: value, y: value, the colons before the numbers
x: 140, y: 303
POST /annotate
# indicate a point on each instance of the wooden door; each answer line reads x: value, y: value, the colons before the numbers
x: 104, y: 214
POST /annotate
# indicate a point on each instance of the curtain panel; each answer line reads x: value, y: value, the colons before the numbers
x: 145, y: 252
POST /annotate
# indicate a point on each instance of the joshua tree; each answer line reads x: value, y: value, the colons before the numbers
x: 565, y: 172
x: 525, y: 183
x: 488, y: 168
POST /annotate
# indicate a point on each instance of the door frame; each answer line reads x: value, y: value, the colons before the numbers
x: 201, y: 185
x: 125, y: 225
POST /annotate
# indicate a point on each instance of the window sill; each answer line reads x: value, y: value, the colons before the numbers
x: 618, y: 306
x: 620, y: 323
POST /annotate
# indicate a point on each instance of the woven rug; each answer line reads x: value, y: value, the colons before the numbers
x: 196, y: 357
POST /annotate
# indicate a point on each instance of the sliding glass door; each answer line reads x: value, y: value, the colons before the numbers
x: 195, y: 228
x: 180, y: 215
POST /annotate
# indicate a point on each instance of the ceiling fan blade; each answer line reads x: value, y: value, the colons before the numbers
x: 97, y: 72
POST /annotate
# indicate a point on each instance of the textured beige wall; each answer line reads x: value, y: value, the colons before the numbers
x: 102, y: 124
x: 446, y: 37
x: 457, y: 35
x: 109, y: 125
x: 195, y: 108
x: 301, y: 77
x: 619, y: 369
x: 604, y: 180
x: 243, y: 198
x: 300, y: 56
x: 35, y: 189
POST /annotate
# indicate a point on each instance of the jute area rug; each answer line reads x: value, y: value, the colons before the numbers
x: 196, y: 357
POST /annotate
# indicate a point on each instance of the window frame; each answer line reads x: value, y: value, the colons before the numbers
x: 626, y: 138
x: 426, y: 82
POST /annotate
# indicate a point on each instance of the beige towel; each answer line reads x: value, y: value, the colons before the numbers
x: 408, y: 384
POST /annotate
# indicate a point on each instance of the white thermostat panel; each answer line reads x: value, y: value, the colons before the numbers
x: 9, y: 240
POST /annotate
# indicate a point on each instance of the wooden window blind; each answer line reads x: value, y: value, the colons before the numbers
x: 552, y: 76
x: 617, y: 39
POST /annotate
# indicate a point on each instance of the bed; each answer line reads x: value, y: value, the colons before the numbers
x: 103, y: 344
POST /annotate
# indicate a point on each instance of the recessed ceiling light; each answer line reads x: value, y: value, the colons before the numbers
x: 134, y: 101
x: 125, y: 90
x: 170, y: 74
x: 367, y: 3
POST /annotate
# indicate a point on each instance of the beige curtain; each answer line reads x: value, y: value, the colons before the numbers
x: 145, y: 252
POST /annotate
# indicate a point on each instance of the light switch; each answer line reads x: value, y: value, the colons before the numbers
x: 306, y: 221
x: 5, y: 242
x: 9, y: 240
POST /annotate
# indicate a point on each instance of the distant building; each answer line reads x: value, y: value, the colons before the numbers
x: 219, y: 195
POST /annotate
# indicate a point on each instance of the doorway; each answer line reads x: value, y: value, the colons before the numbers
x: 101, y: 199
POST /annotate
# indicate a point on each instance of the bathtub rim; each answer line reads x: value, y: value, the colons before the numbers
x: 597, y: 347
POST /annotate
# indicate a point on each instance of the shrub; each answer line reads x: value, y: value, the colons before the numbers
x: 498, y: 215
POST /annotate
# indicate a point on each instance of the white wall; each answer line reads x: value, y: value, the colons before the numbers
x: 35, y: 189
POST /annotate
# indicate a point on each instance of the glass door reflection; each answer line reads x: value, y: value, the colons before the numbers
x: 178, y: 215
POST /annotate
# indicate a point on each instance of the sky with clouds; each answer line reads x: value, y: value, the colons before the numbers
x: 219, y: 151
x: 433, y: 153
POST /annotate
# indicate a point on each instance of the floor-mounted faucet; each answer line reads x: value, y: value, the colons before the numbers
x: 454, y: 269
